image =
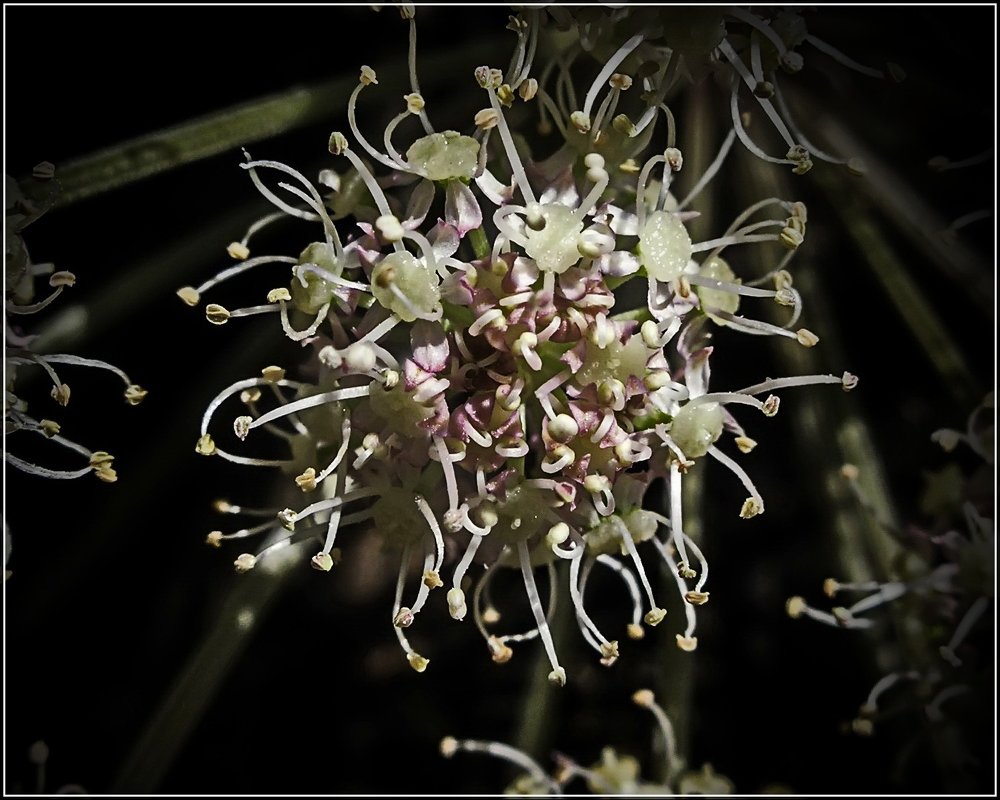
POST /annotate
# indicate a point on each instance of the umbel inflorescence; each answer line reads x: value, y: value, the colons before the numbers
x: 482, y: 391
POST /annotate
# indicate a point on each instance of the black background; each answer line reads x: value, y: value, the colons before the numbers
x: 113, y: 588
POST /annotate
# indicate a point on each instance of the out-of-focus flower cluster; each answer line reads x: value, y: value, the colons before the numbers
x: 613, y: 774
x: 942, y: 594
x: 24, y: 205
x: 511, y: 349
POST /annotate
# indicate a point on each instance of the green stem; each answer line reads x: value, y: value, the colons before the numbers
x: 240, y: 125
x: 480, y: 245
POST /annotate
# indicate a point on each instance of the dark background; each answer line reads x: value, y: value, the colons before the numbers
x: 113, y: 589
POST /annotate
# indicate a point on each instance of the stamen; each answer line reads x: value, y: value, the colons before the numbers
x: 841, y: 58
x: 304, y: 403
x: 418, y: 662
x: 734, y: 59
x: 558, y: 674
x: 609, y: 68
x: 576, y: 587
x: 486, y: 318
x: 517, y: 168
x: 428, y: 515
x: 645, y: 699
x: 450, y: 745
x: 655, y: 612
x: 755, y: 504
x: 414, y: 84
x: 711, y: 172
x: 635, y: 630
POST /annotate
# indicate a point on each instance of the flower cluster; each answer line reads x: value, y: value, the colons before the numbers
x: 482, y: 395
x: 613, y: 774
x: 944, y: 589
x: 23, y: 208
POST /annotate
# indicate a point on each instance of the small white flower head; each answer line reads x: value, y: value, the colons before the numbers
x: 557, y: 677
x: 287, y: 517
x: 448, y: 746
x: 367, y: 76
x: 849, y: 381
x: 528, y: 89
x: 687, y: 643
x: 272, y: 374
x: 214, y: 539
x: 278, y: 295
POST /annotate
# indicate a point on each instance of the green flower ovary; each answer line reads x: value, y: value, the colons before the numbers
x: 443, y: 156
x: 411, y: 277
x: 664, y: 246
x: 717, y: 269
x: 606, y: 538
x: 617, y: 360
x: 318, y: 291
x: 398, y: 410
x: 554, y: 247
x: 696, y: 428
x: 396, y: 519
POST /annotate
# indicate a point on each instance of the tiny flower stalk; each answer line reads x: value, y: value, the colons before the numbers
x: 476, y: 397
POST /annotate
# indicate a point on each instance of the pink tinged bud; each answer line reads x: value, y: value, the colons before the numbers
x: 461, y: 209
